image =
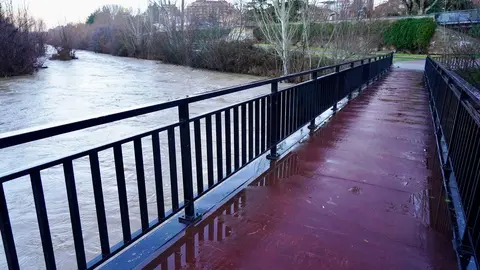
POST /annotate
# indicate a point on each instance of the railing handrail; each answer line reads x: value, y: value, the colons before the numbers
x: 456, y: 121
x: 272, y: 118
x: 31, y: 134
x: 456, y: 82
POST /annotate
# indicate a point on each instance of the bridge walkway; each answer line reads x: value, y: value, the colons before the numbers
x: 355, y: 195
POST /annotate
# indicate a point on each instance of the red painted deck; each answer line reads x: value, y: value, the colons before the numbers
x: 353, y: 196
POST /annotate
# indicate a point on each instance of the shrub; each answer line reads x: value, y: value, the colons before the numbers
x: 236, y: 57
x: 20, y: 48
x: 411, y: 35
x: 244, y: 57
x: 475, y: 31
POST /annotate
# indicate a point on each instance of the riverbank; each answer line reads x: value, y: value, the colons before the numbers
x: 237, y: 57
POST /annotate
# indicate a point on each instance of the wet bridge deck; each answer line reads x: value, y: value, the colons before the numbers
x: 353, y: 196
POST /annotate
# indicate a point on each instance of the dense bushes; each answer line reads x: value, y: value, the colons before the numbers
x: 411, y: 35
x: 236, y: 57
x: 20, y: 48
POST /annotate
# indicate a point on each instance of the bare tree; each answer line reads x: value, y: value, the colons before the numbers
x: 425, y: 5
x: 408, y: 5
x: 21, y: 41
x: 275, y: 24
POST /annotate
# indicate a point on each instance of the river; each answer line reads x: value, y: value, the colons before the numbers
x: 92, y: 85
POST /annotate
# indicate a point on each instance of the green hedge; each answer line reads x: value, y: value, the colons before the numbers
x: 412, y: 35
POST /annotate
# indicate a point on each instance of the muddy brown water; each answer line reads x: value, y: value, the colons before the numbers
x: 92, y: 85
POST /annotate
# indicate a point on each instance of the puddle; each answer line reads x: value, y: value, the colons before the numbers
x: 184, y: 253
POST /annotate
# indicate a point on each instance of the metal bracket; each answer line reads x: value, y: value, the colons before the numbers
x: 189, y: 220
x: 273, y: 157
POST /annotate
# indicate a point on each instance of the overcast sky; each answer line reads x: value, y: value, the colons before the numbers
x: 58, y: 12
x: 55, y: 12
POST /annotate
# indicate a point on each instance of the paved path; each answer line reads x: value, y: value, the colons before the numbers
x: 354, y: 196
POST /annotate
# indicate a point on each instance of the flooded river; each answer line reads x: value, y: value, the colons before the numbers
x: 92, y: 85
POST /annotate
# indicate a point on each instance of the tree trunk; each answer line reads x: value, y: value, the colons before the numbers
x: 285, y: 43
x: 421, y: 8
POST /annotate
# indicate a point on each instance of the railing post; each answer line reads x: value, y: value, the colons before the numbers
x: 337, y: 88
x: 368, y: 70
x: 274, y: 119
x: 350, y: 92
x: 186, y: 152
x: 315, y: 86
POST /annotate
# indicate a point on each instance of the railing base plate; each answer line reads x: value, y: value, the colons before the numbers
x: 273, y: 157
x: 188, y: 220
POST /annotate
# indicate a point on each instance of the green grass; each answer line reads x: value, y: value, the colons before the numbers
x: 318, y: 51
x: 408, y: 57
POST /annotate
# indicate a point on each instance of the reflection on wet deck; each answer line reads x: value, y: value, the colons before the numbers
x: 358, y: 194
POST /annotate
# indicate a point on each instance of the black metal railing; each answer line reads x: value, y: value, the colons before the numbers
x: 219, y: 143
x: 464, y: 65
x: 456, y: 115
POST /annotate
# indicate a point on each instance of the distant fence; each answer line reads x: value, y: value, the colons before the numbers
x: 456, y: 115
x: 229, y: 138
x: 458, y: 17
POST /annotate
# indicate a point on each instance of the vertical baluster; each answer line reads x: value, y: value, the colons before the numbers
x: 208, y: 132
x: 42, y: 219
x: 268, y: 121
x: 142, y: 191
x: 228, y: 143
x: 157, y: 167
x: 74, y: 214
x: 262, y: 124
x: 337, y: 88
x: 291, y: 111
x: 250, y: 131
x: 284, y: 119
x: 99, y: 204
x: 244, y: 133
x: 122, y: 192
x: 306, y: 104
x: 198, y: 155
x: 172, y: 157
x: 300, y: 107
x: 315, y: 93
x: 274, y: 121
x: 297, y: 109
x: 257, y: 127
x: 7, y: 234
x: 350, y: 81
x: 236, y: 141
x: 311, y: 103
x: 186, y: 154
x: 218, y: 134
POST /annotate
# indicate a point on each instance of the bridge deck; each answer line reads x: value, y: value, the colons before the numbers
x: 353, y: 196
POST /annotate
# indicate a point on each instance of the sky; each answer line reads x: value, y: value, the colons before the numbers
x: 58, y: 12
